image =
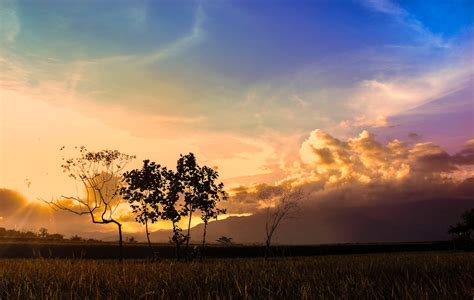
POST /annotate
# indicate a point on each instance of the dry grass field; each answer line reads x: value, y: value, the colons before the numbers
x: 422, y: 275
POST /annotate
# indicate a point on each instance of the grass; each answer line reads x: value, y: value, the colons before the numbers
x: 375, y: 276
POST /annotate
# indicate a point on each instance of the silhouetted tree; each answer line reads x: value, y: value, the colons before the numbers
x: 224, y: 240
x: 171, y: 210
x: 201, y: 191
x: 210, y: 195
x: 100, y: 173
x: 286, y: 206
x: 188, y: 174
x: 43, y: 233
x: 131, y: 239
x: 464, y: 230
x: 145, y: 190
x: 56, y: 236
x: 76, y: 238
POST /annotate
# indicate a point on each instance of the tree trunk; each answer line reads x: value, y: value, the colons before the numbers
x: 176, y: 241
x: 148, y: 239
x: 188, y: 236
x: 204, y: 235
x: 178, y: 247
x: 120, y: 241
x: 203, y: 240
x: 267, y: 245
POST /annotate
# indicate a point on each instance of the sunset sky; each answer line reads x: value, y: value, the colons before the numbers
x: 267, y: 91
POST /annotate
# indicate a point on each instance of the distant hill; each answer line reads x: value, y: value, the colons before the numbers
x: 322, y: 224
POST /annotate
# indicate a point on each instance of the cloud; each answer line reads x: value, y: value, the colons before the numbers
x: 195, y: 35
x: 138, y: 14
x: 466, y: 155
x: 330, y: 160
x: 428, y: 158
x: 387, y: 97
x: 10, y: 202
x: 404, y: 17
x: 414, y: 136
x: 328, y: 166
x: 9, y: 22
x: 386, y: 6
x: 365, y: 159
x: 364, y: 122
x: 297, y: 99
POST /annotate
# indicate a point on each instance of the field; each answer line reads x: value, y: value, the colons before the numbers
x: 420, y: 275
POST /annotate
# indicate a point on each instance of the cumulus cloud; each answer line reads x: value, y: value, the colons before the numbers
x: 327, y: 159
x: 466, y: 155
x: 364, y: 159
x: 329, y: 167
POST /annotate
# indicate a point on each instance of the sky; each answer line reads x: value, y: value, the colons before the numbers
x: 269, y: 92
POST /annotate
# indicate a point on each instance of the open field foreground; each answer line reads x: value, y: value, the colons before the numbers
x: 375, y: 276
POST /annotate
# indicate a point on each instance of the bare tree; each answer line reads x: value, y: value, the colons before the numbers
x: 286, y: 206
x: 100, y: 174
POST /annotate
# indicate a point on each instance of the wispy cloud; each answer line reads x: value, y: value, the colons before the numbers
x: 9, y: 22
x: 195, y: 35
x: 404, y: 17
x: 391, y: 96
x: 364, y: 122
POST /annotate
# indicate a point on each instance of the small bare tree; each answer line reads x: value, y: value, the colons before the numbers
x: 100, y: 174
x: 286, y: 206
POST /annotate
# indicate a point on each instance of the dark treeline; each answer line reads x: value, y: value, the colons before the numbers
x: 140, y: 251
x: 29, y: 235
x: 42, y: 235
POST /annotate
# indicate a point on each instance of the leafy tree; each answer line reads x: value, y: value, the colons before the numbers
x: 188, y: 176
x: 211, y: 194
x: 171, y: 210
x: 145, y: 190
x: 224, y: 240
x: 464, y: 230
x: 76, y: 238
x: 201, y: 191
x: 100, y: 173
x: 43, y: 233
